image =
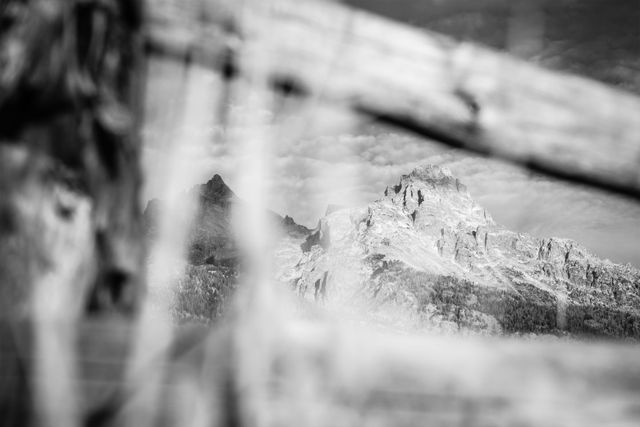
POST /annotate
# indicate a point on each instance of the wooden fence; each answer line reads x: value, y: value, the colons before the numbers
x: 242, y: 373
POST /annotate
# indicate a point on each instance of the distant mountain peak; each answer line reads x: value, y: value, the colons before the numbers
x: 216, y: 190
x: 428, y: 250
x: 437, y: 176
x: 431, y: 193
x: 292, y: 227
x: 211, y: 238
x: 431, y: 172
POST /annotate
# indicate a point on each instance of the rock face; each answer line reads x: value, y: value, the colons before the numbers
x: 211, y: 237
x: 293, y: 228
x: 319, y: 236
x: 426, y: 256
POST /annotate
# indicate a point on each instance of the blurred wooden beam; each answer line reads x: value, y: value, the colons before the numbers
x: 349, y: 377
x: 459, y: 94
x: 365, y: 379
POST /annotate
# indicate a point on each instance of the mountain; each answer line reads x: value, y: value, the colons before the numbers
x: 211, y: 237
x: 425, y: 256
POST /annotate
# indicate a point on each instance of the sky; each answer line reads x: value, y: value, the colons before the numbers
x: 319, y: 156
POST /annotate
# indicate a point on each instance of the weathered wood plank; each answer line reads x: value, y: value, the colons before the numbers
x: 317, y: 374
x: 456, y: 93
x: 363, y: 379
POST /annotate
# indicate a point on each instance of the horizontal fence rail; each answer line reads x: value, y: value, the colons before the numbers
x: 318, y: 375
x: 456, y: 93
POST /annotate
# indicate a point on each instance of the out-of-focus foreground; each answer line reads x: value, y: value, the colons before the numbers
x: 82, y: 340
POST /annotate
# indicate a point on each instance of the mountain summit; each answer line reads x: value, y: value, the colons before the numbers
x: 433, y: 195
x: 425, y: 255
x: 211, y: 237
x: 215, y: 191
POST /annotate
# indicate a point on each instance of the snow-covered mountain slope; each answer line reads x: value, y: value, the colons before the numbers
x: 426, y: 256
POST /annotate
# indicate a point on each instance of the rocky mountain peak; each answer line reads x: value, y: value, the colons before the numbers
x: 432, y: 173
x: 216, y: 190
x: 436, y: 177
x: 432, y: 178
x: 429, y: 251
x: 431, y: 194
x: 293, y: 228
x: 211, y: 236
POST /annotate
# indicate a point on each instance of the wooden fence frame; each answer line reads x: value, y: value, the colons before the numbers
x: 458, y: 94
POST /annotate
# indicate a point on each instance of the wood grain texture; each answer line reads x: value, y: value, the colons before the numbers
x: 315, y: 374
x: 456, y: 93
